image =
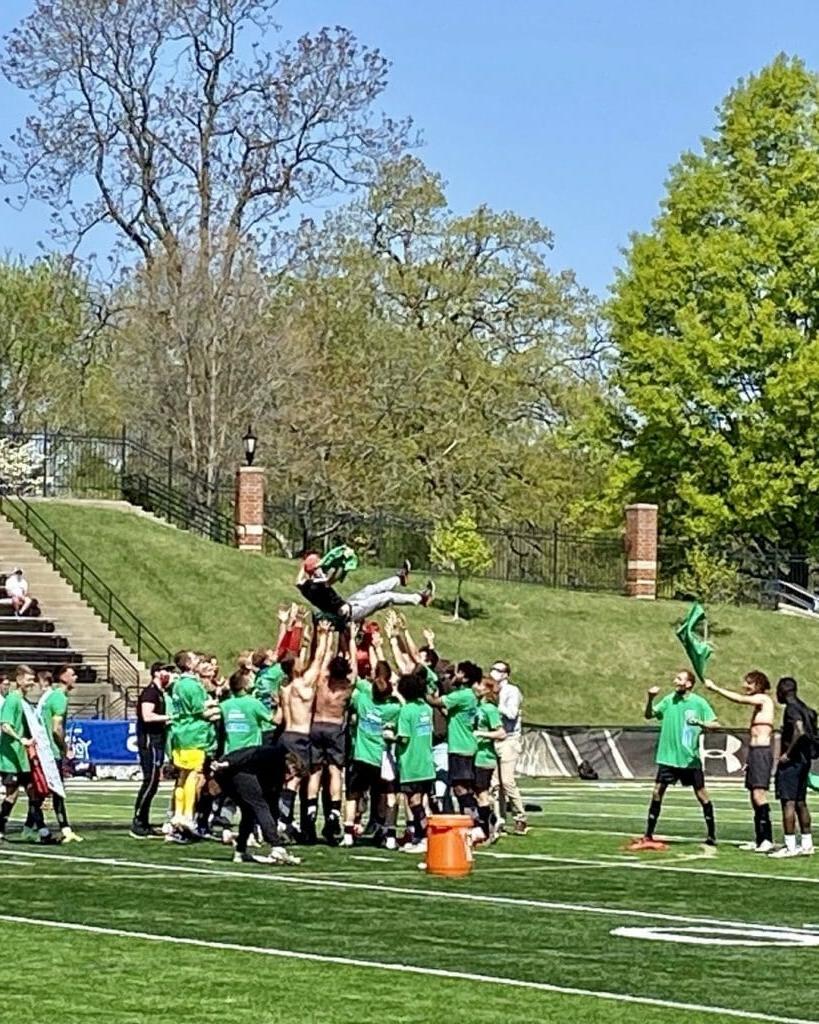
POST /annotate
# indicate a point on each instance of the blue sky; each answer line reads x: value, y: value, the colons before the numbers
x: 570, y: 111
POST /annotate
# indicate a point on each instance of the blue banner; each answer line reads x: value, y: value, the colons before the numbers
x: 97, y: 741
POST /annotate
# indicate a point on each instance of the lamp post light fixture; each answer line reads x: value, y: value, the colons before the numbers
x: 249, y: 441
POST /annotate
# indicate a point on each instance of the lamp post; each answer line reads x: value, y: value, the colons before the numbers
x: 249, y: 441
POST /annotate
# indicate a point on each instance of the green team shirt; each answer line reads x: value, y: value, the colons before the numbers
x: 462, y: 705
x: 371, y: 717
x: 54, y: 706
x: 679, y: 743
x: 432, y: 679
x: 13, y: 756
x: 489, y: 718
x: 414, y: 732
x: 189, y: 730
x: 267, y: 684
x: 244, y: 719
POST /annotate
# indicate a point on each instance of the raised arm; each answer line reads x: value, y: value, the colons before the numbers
x: 648, y: 712
x: 321, y: 659
x: 402, y: 660
x: 754, y: 699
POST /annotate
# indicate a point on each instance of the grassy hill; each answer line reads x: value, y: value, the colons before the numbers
x: 580, y: 658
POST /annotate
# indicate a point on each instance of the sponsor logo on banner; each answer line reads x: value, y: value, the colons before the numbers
x: 727, y: 753
x: 97, y: 741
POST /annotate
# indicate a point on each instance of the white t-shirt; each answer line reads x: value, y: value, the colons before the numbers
x: 16, y: 586
x: 510, y: 700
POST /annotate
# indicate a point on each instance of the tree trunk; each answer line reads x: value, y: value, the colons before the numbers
x: 457, y: 613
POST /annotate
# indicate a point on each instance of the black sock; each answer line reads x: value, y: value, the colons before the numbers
x: 5, y: 810
x: 37, y: 814
x: 390, y: 831
x: 757, y: 826
x: 469, y: 805
x: 654, y: 809
x: 419, y: 823
x: 349, y: 830
x: 287, y: 801
x: 60, y: 812
x: 708, y: 814
x: 483, y: 817
x: 765, y: 827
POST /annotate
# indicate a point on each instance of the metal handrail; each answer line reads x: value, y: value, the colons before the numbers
x: 88, y: 584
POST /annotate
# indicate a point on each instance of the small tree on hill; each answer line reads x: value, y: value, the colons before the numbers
x: 17, y: 466
x: 459, y: 548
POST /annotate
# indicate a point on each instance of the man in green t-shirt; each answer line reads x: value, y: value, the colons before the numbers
x: 683, y: 715
x: 375, y: 709
x: 15, y: 743
x: 244, y: 717
x: 53, y: 714
x: 271, y: 675
x: 461, y: 708
x: 416, y: 767
x: 488, y: 729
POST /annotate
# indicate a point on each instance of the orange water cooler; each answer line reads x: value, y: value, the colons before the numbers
x: 449, y: 845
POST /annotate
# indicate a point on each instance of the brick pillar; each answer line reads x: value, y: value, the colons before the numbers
x: 641, y: 551
x: 248, y: 508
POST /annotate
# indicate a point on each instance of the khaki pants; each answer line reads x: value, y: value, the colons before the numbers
x: 505, y: 792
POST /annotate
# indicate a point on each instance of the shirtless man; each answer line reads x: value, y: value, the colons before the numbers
x: 756, y: 686
x: 295, y: 713
x: 328, y: 743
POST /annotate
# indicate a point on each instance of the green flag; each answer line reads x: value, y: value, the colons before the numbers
x: 341, y: 557
x: 697, y: 649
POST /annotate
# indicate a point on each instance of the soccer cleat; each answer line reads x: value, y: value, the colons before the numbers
x: 428, y: 593
x: 390, y: 843
x: 806, y: 851
x: 179, y: 838
x: 419, y: 847
x: 278, y: 855
x: 243, y: 858
x: 783, y: 852
x: 252, y: 842
x: 347, y: 840
x: 139, y: 831
x: 70, y: 836
x: 331, y: 831
x: 766, y: 846
x: 709, y: 841
x: 521, y: 828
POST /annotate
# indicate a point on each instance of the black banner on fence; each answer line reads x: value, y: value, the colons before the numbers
x: 621, y: 753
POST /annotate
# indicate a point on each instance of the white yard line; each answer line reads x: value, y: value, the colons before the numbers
x: 300, y: 879
x: 400, y: 968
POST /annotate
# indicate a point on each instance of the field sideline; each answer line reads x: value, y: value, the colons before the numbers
x: 559, y: 925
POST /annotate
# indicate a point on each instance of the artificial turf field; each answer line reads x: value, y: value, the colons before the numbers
x: 558, y: 925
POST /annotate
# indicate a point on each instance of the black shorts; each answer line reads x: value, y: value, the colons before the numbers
x: 362, y: 777
x: 792, y: 782
x: 758, y: 768
x: 422, y: 786
x: 668, y: 775
x: 483, y: 779
x: 12, y: 780
x: 328, y: 744
x: 297, y: 743
x: 461, y: 770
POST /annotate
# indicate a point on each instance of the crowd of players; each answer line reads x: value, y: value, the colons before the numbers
x: 337, y: 719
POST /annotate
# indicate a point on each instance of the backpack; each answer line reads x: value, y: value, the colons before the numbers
x: 586, y: 771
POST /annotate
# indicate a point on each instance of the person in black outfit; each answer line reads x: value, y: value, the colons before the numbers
x: 152, y: 722
x: 253, y: 778
x: 796, y: 749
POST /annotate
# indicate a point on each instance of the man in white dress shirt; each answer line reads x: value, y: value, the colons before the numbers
x: 505, y: 792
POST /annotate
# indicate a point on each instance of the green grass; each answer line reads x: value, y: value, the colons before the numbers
x: 549, y: 907
x: 579, y: 658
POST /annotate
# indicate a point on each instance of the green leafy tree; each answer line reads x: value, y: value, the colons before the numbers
x: 715, y: 320
x: 459, y: 548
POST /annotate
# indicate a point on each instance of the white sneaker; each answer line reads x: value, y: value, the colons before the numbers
x: 784, y: 852
x: 70, y: 836
x: 476, y: 834
x: 806, y: 851
x: 252, y: 842
x: 766, y: 846
x: 347, y: 840
x: 390, y: 843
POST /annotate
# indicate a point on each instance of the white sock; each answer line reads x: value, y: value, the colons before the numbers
x: 790, y: 841
x: 807, y: 841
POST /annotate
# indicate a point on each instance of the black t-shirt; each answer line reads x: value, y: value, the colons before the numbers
x: 797, y: 711
x: 322, y: 596
x: 152, y: 694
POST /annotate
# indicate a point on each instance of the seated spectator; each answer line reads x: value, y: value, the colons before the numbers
x: 17, y: 590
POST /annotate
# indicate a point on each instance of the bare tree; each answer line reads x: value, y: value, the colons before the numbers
x: 196, y: 143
